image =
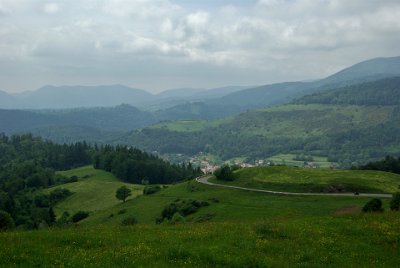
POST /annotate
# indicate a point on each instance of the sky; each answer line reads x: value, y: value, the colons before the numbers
x: 162, y: 44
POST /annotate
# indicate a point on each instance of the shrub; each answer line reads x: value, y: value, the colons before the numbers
x: 374, y: 205
x: 59, y: 194
x: 6, y: 222
x: 80, y: 215
x: 395, y: 202
x: 122, y: 211
x: 182, y: 207
x: 151, y: 189
x: 177, y: 218
x: 129, y: 221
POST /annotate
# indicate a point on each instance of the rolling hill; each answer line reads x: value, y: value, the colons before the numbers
x: 343, y: 132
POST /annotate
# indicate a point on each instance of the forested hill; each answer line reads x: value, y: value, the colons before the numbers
x: 28, y: 164
x: 381, y: 92
x: 350, y: 125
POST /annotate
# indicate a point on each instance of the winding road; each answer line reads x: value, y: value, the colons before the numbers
x: 204, y: 180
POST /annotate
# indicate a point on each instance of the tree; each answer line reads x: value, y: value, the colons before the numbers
x: 122, y: 193
x: 395, y: 202
x: 6, y: 222
x: 374, y: 205
x: 225, y: 173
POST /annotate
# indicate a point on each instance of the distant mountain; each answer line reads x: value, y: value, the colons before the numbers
x: 381, y: 92
x: 7, y: 100
x: 218, y: 92
x: 179, y: 93
x: 120, y: 118
x: 51, y: 97
x: 267, y: 95
x: 366, y: 71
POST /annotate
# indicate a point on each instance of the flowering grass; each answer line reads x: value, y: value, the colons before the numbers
x: 361, y: 240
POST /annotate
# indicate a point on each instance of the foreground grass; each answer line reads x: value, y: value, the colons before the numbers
x: 283, y: 178
x: 333, y: 241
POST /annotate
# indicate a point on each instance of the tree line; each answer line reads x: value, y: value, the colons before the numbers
x: 135, y: 166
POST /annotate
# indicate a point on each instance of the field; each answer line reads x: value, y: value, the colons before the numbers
x: 281, y: 178
x: 288, y: 160
x: 236, y: 229
x: 330, y: 241
x: 94, y: 191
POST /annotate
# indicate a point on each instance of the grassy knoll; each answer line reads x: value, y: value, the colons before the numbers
x: 333, y: 241
x: 94, y: 191
x: 283, y: 178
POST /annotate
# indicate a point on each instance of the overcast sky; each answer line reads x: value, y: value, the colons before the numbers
x: 161, y: 44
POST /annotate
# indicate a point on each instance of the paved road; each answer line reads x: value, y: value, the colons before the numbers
x: 204, y: 180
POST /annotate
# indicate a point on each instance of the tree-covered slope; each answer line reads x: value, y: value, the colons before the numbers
x: 381, y: 92
x: 345, y: 134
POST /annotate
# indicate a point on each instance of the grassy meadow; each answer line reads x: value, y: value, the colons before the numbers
x: 94, y: 191
x: 236, y: 229
x: 281, y: 178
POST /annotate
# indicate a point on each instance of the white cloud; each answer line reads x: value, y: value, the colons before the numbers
x: 51, y: 8
x: 271, y: 39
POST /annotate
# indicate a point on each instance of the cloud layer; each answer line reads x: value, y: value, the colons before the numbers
x: 158, y: 44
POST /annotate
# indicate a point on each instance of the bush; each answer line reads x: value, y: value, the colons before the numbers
x: 129, y: 221
x: 58, y: 195
x: 395, y: 202
x: 122, y: 211
x: 6, y: 222
x: 177, y: 218
x: 80, y: 215
x: 182, y: 207
x: 374, y: 205
x: 151, y: 189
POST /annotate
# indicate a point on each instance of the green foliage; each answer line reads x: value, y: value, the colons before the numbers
x: 122, y: 193
x: 395, y: 202
x: 390, y: 164
x: 129, y: 221
x: 349, y: 135
x: 27, y: 165
x: 80, y: 215
x: 134, y: 166
x: 58, y: 195
x: 6, y: 221
x: 225, y: 173
x: 151, y: 189
x: 182, y: 207
x: 374, y: 205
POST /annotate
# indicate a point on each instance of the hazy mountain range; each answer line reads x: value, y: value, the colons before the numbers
x: 238, y: 98
x: 372, y: 83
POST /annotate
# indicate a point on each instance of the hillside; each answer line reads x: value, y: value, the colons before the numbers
x: 380, y: 92
x: 327, y: 124
x: 281, y: 178
x: 257, y: 228
x: 94, y: 191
